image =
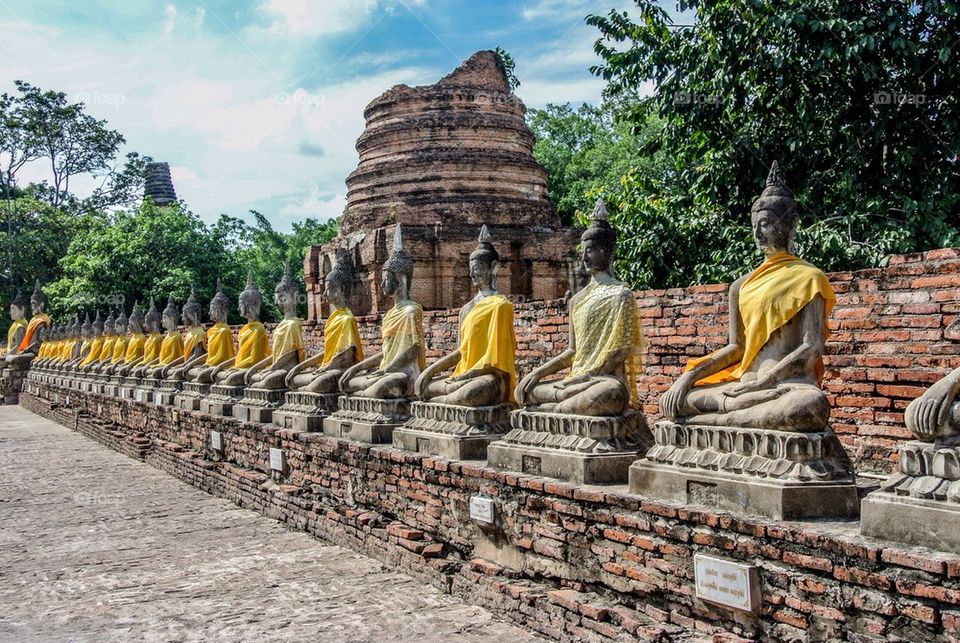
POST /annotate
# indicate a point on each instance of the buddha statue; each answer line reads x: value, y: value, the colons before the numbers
x: 391, y: 373
x: 768, y: 375
x: 151, y: 343
x: 605, y: 338
x: 18, y: 312
x: 253, y: 343
x: 287, y: 342
x: 220, y: 349
x: 171, y: 348
x: 321, y: 373
x: 86, y: 344
x: 106, y: 349
x: 119, y: 351
x: 96, y: 345
x: 136, y: 343
x: 484, y: 372
x: 194, y: 343
x: 29, y: 345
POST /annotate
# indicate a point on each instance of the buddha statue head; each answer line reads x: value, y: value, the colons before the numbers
x: 398, y: 269
x: 219, y: 305
x: 76, y: 331
x: 18, y: 306
x: 250, y: 300
x: 192, y: 309
x: 38, y: 300
x: 120, y: 323
x: 86, y: 331
x: 339, y: 282
x: 136, y: 319
x: 286, y: 294
x: 170, y: 316
x: 774, y: 215
x: 484, y: 262
x: 598, y: 243
x: 97, y: 325
x: 152, y: 319
x: 109, y: 324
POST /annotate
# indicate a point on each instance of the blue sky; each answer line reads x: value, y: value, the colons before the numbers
x: 257, y: 104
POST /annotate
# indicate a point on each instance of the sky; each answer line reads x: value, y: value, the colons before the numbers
x: 257, y: 104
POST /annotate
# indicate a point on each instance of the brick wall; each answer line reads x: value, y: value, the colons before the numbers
x: 571, y: 562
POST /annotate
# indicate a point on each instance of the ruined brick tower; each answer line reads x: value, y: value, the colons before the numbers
x: 442, y: 160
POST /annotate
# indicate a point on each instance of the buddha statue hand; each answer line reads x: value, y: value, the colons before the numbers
x: 928, y: 416
x: 673, y: 403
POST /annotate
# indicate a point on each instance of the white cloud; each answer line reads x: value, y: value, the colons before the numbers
x: 169, y: 18
x: 313, y: 18
x: 199, y: 15
x: 314, y: 205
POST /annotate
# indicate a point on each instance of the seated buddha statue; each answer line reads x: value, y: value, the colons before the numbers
x: 321, y: 373
x: 86, y: 343
x: 768, y: 375
x: 287, y: 341
x: 106, y: 349
x: 171, y: 348
x: 391, y: 373
x: 484, y: 373
x: 219, y: 341
x: 151, y: 342
x: 71, y: 345
x: 136, y: 342
x: 119, y: 350
x: 48, y: 346
x: 96, y: 345
x: 604, y: 344
x: 253, y: 344
x: 194, y: 343
x: 18, y: 327
x: 30, y: 343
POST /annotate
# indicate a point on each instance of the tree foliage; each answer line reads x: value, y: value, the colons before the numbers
x: 857, y: 100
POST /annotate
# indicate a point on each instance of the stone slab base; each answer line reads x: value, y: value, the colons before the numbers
x: 778, y: 499
x: 144, y: 393
x: 452, y: 447
x: 258, y: 405
x: 369, y: 432
x: 164, y: 397
x: 454, y: 432
x: 221, y: 400
x: 584, y: 468
x: 297, y: 421
x: 257, y: 414
x: 915, y: 521
x: 303, y: 411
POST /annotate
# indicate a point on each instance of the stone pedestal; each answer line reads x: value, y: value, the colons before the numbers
x: 189, y: 397
x: 304, y: 411
x: 221, y: 400
x: 920, y: 505
x: 778, y: 474
x: 127, y: 388
x: 583, y: 449
x: 111, y: 386
x: 144, y: 389
x: 367, y: 420
x: 453, y: 432
x: 258, y: 405
x: 11, y: 383
x: 166, y: 392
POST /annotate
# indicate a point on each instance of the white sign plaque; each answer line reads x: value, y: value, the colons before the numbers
x: 276, y: 459
x: 216, y: 441
x: 727, y: 583
x: 482, y: 509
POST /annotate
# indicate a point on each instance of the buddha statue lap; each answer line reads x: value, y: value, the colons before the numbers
x: 754, y: 409
x: 584, y: 427
x: 460, y: 413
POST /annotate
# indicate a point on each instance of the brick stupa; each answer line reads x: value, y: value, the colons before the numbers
x: 442, y: 160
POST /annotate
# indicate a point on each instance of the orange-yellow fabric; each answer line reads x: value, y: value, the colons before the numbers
x: 95, y: 347
x: 171, y: 348
x: 487, y: 339
x: 220, y: 346
x: 17, y: 325
x: 402, y: 327
x: 151, y: 347
x: 339, y: 333
x: 134, y: 348
x: 287, y: 336
x: 35, y: 323
x: 195, y: 337
x: 254, y: 345
x: 119, y: 349
x: 106, y: 350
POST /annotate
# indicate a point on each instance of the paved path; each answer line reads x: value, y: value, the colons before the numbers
x: 95, y: 546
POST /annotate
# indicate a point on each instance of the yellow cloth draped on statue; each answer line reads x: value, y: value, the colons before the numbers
x: 769, y: 298
x: 605, y: 320
x: 12, y: 333
x: 287, y: 337
x: 67, y: 352
x: 134, y: 348
x: 339, y: 333
x: 106, y: 350
x: 487, y: 339
x: 254, y: 345
x: 85, y: 346
x: 119, y: 349
x: 95, y: 347
x: 220, y: 346
x: 402, y: 328
x: 151, y: 347
x: 195, y: 337
x: 171, y: 348
x: 35, y: 323
x: 44, y: 350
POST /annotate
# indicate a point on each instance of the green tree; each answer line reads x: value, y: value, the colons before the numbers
x: 857, y: 100
x: 508, y: 67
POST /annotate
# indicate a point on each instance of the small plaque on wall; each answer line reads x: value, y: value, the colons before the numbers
x: 727, y: 583
x: 483, y: 510
x: 216, y: 440
x: 276, y: 459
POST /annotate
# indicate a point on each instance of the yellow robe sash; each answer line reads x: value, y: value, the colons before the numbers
x: 254, y: 345
x: 106, y: 350
x: 287, y: 336
x: 67, y: 353
x: 35, y: 323
x: 605, y: 320
x: 95, y: 347
x: 134, y: 348
x: 119, y: 349
x: 12, y: 333
x: 85, y: 346
x: 769, y: 298
x: 402, y: 328
x: 151, y: 347
x: 339, y: 333
x: 195, y: 337
x: 487, y: 339
x: 220, y: 346
x: 171, y: 348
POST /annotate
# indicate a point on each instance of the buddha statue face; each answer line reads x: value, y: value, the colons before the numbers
x: 108, y: 326
x: 17, y: 312
x: 595, y: 255
x: 334, y: 292
x: 120, y: 325
x: 170, y: 320
x: 218, y: 309
x: 136, y: 323
x: 483, y: 271
x: 191, y: 315
x: 772, y: 230
x: 391, y: 282
x: 249, y: 305
x: 98, y: 326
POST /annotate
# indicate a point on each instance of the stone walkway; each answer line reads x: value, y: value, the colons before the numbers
x: 95, y: 546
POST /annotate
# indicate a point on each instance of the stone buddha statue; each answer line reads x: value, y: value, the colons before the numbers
x: 252, y: 339
x: 136, y: 343
x: 219, y: 341
x: 151, y: 343
x: 768, y: 375
x: 194, y: 343
x: 96, y: 345
x: 171, y: 348
x: 119, y: 350
x: 48, y: 346
x: 18, y: 312
x: 321, y: 373
x: 86, y: 344
x: 604, y: 345
x: 484, y: 371
x: 71, y: 345
x: 287, y: 342
x: 106, y: 349
x: 30, y: 343
x: 935, y: 415
x: 391, y: 373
